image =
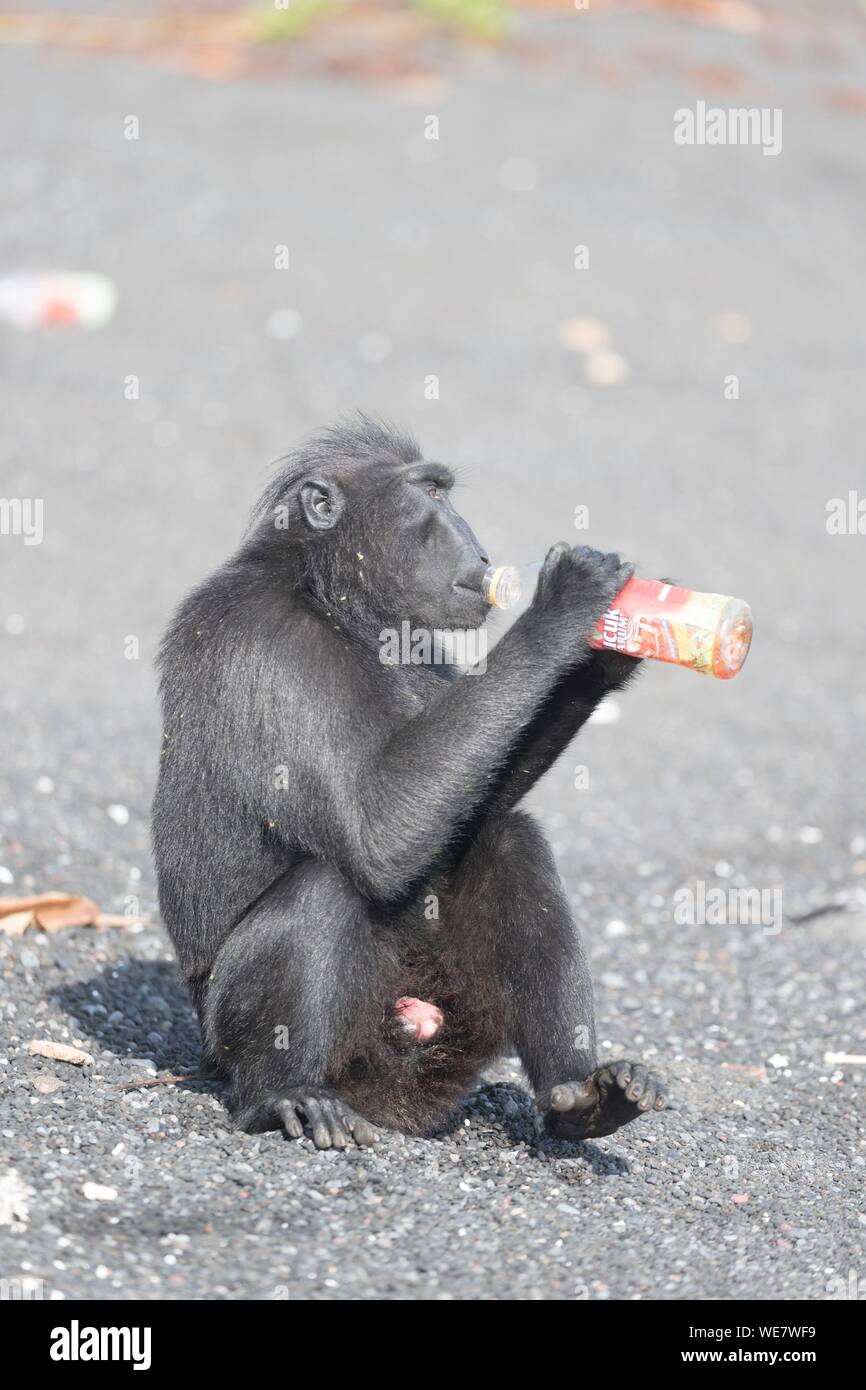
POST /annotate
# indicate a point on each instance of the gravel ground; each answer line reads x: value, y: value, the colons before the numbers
x: 409, y: 258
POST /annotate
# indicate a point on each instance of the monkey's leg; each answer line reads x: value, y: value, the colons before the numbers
x: 292, y: 986
x: 510, y: 902
x: 508, y: 893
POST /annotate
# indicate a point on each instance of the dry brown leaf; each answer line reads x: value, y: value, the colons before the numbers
x: 759, y: 1073
x: 52, y: 912
x: 16, y: 923
x: 16, y: 905
x: 64, y: 912
x: 60, y: 1052
x: 117, y: 919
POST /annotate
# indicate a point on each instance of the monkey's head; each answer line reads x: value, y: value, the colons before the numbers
x: 374, y: 532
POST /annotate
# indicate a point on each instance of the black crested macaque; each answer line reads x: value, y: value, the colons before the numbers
x: 363, y: 919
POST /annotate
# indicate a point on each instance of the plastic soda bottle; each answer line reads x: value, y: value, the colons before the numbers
x: 710, y: 633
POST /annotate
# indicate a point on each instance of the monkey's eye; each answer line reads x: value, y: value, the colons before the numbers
x: 433, y: 491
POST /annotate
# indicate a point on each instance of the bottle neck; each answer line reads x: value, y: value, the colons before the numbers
x: 505, y: 586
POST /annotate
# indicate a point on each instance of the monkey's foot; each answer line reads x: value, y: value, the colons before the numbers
x: 333, y: 1123
x: 418, y: 1020
x: 614, y: 1095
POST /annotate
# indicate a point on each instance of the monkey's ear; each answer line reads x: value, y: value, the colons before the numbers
x: 321, y: 503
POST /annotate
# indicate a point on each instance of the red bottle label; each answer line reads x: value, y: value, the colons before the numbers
x: 668, y: 623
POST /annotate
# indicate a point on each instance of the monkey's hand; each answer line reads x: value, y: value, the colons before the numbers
x: 576, y: 586
x: 333, y: 1123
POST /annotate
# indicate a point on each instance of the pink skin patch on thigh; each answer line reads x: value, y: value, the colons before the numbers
x: 419, y: 1017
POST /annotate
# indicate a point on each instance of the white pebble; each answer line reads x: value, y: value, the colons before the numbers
x: 119, y: 814
x: 810, y: 835
x: 14, y: 1199
x: 95, y: 1192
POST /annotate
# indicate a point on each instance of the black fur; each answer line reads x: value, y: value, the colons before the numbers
x: 332, y: 833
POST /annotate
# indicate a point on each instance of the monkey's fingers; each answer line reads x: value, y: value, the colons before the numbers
x: 331, y: 1122
x: 333, y: 1115
x: 312, y: 1108
x: 555, y: 560
x: 363, y: 1132
x: 290, y: 1118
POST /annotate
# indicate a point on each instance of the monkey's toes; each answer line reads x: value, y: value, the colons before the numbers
x: 334, y: 1124
x: 613, y: 1096
x: 577, y: 1095
x: 640, y: 1085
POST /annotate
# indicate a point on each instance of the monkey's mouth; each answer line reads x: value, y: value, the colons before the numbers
x: 469, y: 604
x: 473, y: 590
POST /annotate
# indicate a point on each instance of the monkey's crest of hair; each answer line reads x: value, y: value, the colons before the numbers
x: 359, y: 442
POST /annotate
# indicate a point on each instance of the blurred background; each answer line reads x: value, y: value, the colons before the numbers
x: 472, y: 217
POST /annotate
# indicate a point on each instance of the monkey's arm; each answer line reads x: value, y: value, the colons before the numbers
x: 385, y: 806
x: 556, y: 723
